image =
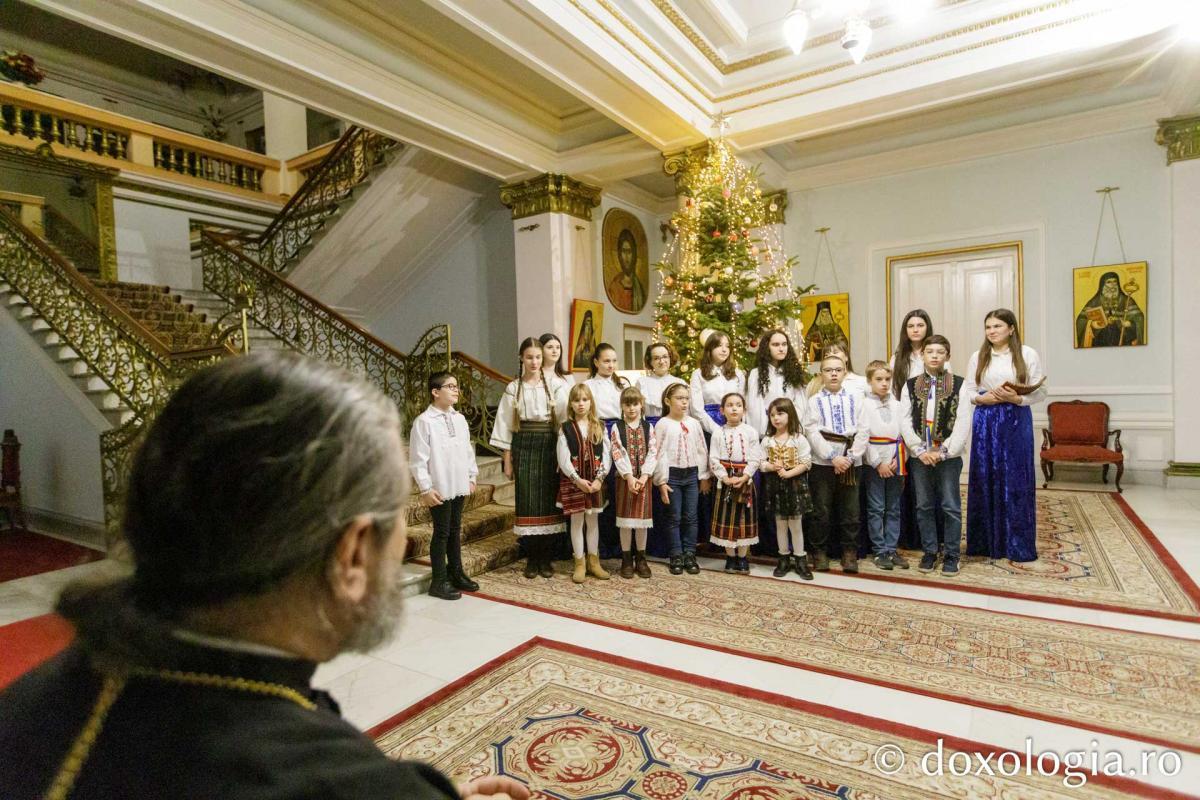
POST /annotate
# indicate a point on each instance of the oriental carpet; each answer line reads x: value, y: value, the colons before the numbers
x: 576, y: 723
x: 1130, y: 684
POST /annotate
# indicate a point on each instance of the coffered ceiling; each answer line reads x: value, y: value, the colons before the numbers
x: 600, y: 88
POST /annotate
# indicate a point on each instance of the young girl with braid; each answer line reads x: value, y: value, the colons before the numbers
x: 526, y: 432
x: 606, y: 387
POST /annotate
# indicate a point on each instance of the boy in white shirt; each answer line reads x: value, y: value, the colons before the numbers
x: 837, y: 431
x: 442, y: 459
x: 885, y: 468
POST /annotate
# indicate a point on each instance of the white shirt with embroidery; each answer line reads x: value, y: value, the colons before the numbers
x: 840, y: 413
x: 757, y: 404
x: 620, y: 455
x: 533, y: 404
x: 735, y: 443
x: 652, y: 386
x: 680, y: 444
x: 606, y: 396
x: 563, y: 451
x: 441, y: 454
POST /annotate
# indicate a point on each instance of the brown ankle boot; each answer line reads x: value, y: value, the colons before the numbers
x: 580, y: 573
x: 594, y: 569
x: 640, y: 566
x: 627, y: 564
x: 849, y: 562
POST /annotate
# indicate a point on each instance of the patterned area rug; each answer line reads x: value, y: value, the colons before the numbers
x: 1131, y: 684
x: 575, y: 723
x: 1093, y: 551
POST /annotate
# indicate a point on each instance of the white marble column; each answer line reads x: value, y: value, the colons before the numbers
x: 552, y: 219
x: 285, y: 125
x: 1181, y: 136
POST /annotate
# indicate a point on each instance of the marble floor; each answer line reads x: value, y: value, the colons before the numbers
x: 438, y: 642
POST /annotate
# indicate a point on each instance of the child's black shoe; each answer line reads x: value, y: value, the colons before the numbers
x: 744, y: 565
x: 689, y: 564
x: 802, y: 568
x: 730, y: 564
x: 883, y: 561
x: 783, y: 567
x: 676, y: 565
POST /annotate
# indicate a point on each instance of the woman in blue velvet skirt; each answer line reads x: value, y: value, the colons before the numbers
x: 1001, y: 504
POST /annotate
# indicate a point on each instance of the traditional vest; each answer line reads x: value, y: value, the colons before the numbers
x: 637, y: 452
x: 587, y: 458
x: 945, y: 400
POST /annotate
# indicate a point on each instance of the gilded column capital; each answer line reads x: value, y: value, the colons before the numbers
x: 1181, y: 137
x: 683, y: 164
x: 774, y: 206
x: 550, y: 192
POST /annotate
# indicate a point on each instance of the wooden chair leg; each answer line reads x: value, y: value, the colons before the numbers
x: 1120, y: 472
x: 1045, y: 473
x: 1104, y: 474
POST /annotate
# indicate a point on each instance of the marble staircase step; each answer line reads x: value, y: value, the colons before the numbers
x: 478, y: 523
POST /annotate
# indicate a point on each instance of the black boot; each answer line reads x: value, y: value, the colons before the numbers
x: 454, y: 566
x: 532, y: 554
x: 546, y: 558
x: 785, y: 564
x: 440, y: 586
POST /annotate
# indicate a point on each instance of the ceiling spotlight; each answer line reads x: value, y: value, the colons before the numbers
x: 857, y: 38
x: 795, y: 29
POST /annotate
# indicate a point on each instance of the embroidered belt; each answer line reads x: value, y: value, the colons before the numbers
x: 901, y: 450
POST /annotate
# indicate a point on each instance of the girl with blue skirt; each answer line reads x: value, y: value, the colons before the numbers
x: 1003, y: 380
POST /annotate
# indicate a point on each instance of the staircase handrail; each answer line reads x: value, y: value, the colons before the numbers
x: 316, y: 198
x: 136, y: 364
x: 480, y: 389
x: 298, y: 318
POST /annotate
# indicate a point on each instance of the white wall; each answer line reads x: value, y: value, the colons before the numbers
x: 58, y: 427
x: 154, y: 235
x: 470, y: 286
x: 1045, y: 198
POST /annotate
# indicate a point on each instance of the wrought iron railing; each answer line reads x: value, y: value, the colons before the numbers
x: 326, y: 186
x: 135, y: 365
x: 308, y: 325
x: 74, y: 243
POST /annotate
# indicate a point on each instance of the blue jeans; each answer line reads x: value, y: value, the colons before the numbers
x: 937, y: 492
x: 685, y: 497
x: 883, y: 510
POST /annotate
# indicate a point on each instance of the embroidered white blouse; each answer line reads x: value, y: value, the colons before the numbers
x: 551, y: 375
x: 738, y: 444
x: 757, y: 404
x: 533, y: 405
x: 652, y: 386
x: 606, y: 396
x: 563, y: 451
x: 621, y: 458
x: 709, y: 392
x: 440, y: 453
x: 1000, y: 369
x: 680, y: 444
x: 840, y: 413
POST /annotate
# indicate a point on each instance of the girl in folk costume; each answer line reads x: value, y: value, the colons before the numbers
x: 681, y: 475
x: 837, y: 431
x: 717, y: 376
x: 852, y: 381
x: 606, y: 386
x: 659, y: 360
x: 777, y: 373
x: 787, y: 456
x: 584, y: 460
x: 734, y: 458
x: 525, y: 431
x: 635, y: 456
x: 1003, y: 380
x: 554, y: 364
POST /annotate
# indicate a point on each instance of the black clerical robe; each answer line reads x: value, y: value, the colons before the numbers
x: 166, y: 739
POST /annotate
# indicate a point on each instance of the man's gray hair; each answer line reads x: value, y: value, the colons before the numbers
x: 251, y: 473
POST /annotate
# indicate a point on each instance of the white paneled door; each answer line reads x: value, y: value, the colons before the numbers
x: 956, y: 288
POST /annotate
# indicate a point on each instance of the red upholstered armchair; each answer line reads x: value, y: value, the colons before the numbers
x: 1079, y: 434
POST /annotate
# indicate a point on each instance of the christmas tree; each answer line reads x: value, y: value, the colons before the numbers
x: 719, y: 274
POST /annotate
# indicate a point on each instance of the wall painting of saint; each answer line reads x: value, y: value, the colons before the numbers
x: 587, y: 330
x: 824, y: 320
x: 1110, y: 305
x: 626, y: 261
